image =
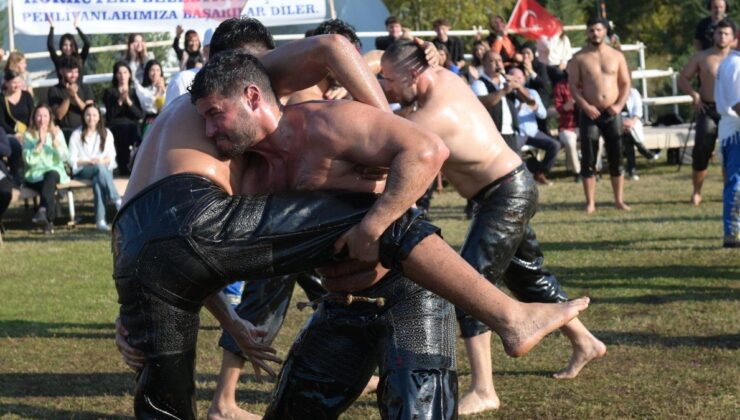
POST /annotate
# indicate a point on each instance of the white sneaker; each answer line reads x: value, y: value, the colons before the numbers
x: 102, y: 226
x: 118, y: 204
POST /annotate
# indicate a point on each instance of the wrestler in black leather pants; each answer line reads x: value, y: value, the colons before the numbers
x: 608, y: 126
x: 706, y: 137
x: 411, y: 339
x: 502, y: 246
x: 183, y: 238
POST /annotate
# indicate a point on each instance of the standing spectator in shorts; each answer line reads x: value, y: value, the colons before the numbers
x: 704, y: 33
x: 17, y: 63
x: 453, y: 44
x: 555, y: 52
x: 44, y: 152
x: 136, y: 55
x: 395, y: 30
x: 93, y: 157
x: 192, y: 46
x: 123, y: 113
x: 567, y: 127
x: 151, y: 93
x: 70, y: 96
x: 68, y: 47
x: 499, y: 39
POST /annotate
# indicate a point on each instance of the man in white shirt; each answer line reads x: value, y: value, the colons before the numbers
x: 727, y: 96
x: 180, y: 82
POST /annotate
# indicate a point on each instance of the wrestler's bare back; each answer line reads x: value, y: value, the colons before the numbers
x: 597, y: 71
x: 450, y: 109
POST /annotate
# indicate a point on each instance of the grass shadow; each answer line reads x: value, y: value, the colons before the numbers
x: 36, y: 412
x: 66, y: 384
x: 17, y: 328
x: 631, y: 338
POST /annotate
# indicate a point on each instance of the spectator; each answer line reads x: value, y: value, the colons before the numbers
x: 528, y: 114
x: 123, y: 113
x: 44, y: 153
x: 555, y: 52
x: 634, y: 134
x: 475, y: 69
x: 17, y: 63
x: 136, y: 56
x: 497, y: 94
x: 567, y: 127
x: 453, y: 44
x: 6, y: 179
x: 68, y: 47
x: 70, y: 96
x: 704, y: 33
x: 179, y: 83
x: 395, y: 30
x: 445, y: 61
x: 92, y: 156
x: 151, y: 93
x: 535, y: 74
x: 17, y: 105
x: 192, y: 47
x: 499, y: 40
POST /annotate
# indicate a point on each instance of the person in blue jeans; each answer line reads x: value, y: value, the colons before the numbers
x: 92, y: 156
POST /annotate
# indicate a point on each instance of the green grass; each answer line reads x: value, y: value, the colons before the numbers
x: 665, y: 300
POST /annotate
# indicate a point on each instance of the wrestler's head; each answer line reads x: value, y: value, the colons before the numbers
x: 247, y: 34
x: 234, y: 95
x: 596, y: 29
x: 402, y: 64
x: 339, y: 27
x: 725, y: 34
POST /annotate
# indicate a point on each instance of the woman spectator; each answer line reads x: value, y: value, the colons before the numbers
x: 151, y: 93
x: 6, y: 180
x: 67, y: 45
x: 123, y: 112
x: 136, y: 55
x: 475, y: 69
x: 44, y: 152
x: 92, y: 156
x: 192, y: 47
x: 445, y: 60
x: 555, y: 52
x: 17, y: 105
x: 567, y: 127
x: 17, y: 62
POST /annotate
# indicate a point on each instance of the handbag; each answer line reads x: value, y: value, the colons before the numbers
x: 20, y: 127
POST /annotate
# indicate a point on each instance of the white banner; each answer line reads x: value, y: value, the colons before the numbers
x: 126, y: 16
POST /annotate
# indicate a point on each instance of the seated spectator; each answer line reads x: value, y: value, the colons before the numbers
x: 567, y: 127
x: 92, y: 156
x: 151, y: 93
x: 445, y: 61
x: 180, y: 81
x: 395, y: 30
x: 68, y: 46
x: 634, y: 134
x: 44, y: 153
x: 555, y: 52
x: 528, y: 115
x: 499, y: 39
x: 453, y: 44
x: 17, y: 105
x: 17, y: 63
x: 704, y: 33
x: 70, y: 96
x: 6, y: 179
x: 475, y: 69
x: 123, y: 113
x: 136, y: 56
x: 192, y: 46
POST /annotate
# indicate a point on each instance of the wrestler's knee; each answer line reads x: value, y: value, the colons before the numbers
x: 418, y: 394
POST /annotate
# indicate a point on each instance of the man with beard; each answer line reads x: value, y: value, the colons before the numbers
x: 500, y: 244
x: 181, y: 235
x: 600, y: 84
x: 705, y: 64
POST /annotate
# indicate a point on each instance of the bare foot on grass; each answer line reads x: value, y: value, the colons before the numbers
x: 583, y: 353
x: 372, y: 385
x: 696, y: 199
x: 230, y: 413
x: 534, y: 321
x: 474, y: 402
x: 590, y: 208
x: 622, y: 206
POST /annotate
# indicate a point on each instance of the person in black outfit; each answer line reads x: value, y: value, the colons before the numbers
x: 6, y: 181
x: 704, y: 33
x: 68, y: 46
x: 17, y: 105
x: 123, y: 113
x: 453, y: 44
x: 395, y: 30
x: 192, y: 47
x: 68, y: 98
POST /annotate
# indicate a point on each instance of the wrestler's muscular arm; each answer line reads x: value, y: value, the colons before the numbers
x: 684, y: 80
x: 623, y: 83
x: 301, y: 64
x: 575, y: 83
x: 413, y: 154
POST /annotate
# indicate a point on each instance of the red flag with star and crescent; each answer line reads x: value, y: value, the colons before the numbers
x: 531, y: 20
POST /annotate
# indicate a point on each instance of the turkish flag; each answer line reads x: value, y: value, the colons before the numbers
x: 533, y: 21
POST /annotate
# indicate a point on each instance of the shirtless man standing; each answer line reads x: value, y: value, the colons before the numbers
x: 705, y: 64
x: 500, y: 243
x: 181, y: 235
x: 600, y: 84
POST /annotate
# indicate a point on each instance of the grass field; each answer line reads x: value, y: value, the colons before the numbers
x: 665, y: 300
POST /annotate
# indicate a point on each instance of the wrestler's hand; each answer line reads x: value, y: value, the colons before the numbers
x: 430, y: 51
x: 372, y: 173
x: 335, y: 92
x: 591, y: 111
x: 245, y: 335
x: 132, y: 357
x: 361, y: 244
x: 350, y: 276
x: 699, y: 106
x: 613, y: 110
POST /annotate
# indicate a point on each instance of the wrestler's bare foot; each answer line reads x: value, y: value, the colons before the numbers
x: 590, y: 208
x: 622, y: 206
x: 474, y: 402
x: 230, y: 412
x: 529, y: 325
x: 589, y: 349
x: 372, y: 385
x: 696, y: 199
